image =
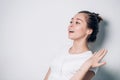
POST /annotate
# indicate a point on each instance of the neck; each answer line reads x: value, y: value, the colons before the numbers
x: 79, y: 46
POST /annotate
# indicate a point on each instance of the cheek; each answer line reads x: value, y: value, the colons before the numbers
x: 80, y: 30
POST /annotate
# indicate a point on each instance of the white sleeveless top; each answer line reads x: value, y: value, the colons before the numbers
x: 65, y: 66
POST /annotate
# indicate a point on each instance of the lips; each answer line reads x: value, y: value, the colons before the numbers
x: 71, y: 31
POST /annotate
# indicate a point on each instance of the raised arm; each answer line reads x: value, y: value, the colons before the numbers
x: 47, y: 75
x: 93, y: 62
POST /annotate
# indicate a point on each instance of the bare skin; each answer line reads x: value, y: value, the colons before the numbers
x: 84, y: 72
x: 79, y: 32
x: 93, y: 62
x: 47, y: 75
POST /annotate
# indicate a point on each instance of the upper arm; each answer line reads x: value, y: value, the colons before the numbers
x: 47, y: 75
x: 89, y: 75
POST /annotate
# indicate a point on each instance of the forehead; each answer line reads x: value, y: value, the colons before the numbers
x: 81, y: 16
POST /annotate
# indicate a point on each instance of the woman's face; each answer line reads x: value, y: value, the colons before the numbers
x: 78, y: 27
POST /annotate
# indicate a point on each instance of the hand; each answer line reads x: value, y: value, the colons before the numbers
x: 93, y: 61
x: 97, y: 57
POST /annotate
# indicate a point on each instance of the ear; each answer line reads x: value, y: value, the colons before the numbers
x: 89, y: 31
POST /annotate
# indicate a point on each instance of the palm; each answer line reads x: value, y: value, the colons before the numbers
x: 97, y: 57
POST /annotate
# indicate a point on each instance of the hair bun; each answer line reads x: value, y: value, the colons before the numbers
x: 99, y: 18
x: 92, y: 21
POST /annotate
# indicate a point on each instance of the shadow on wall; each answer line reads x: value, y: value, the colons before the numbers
x: 102, y: 74
x: 100, y: 37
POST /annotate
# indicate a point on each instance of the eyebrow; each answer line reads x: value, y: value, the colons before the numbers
x: 77, y: 19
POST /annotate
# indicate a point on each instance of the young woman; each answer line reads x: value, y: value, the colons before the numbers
x: 78, y: 63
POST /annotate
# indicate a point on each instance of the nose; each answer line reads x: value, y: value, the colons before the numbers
x: 71, y: 25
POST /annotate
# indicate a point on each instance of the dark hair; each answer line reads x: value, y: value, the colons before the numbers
x: 93, y: 20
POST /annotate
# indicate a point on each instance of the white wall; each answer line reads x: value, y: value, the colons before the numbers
x: 32, y: 32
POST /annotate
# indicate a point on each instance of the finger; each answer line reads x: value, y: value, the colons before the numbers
x: 94, y: 53
x: 102, y: 55
x: 99, y: 53
x: 101, y: 64
x: 103, y: 52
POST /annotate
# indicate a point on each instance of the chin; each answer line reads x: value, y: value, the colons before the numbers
x: 72, y: 38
